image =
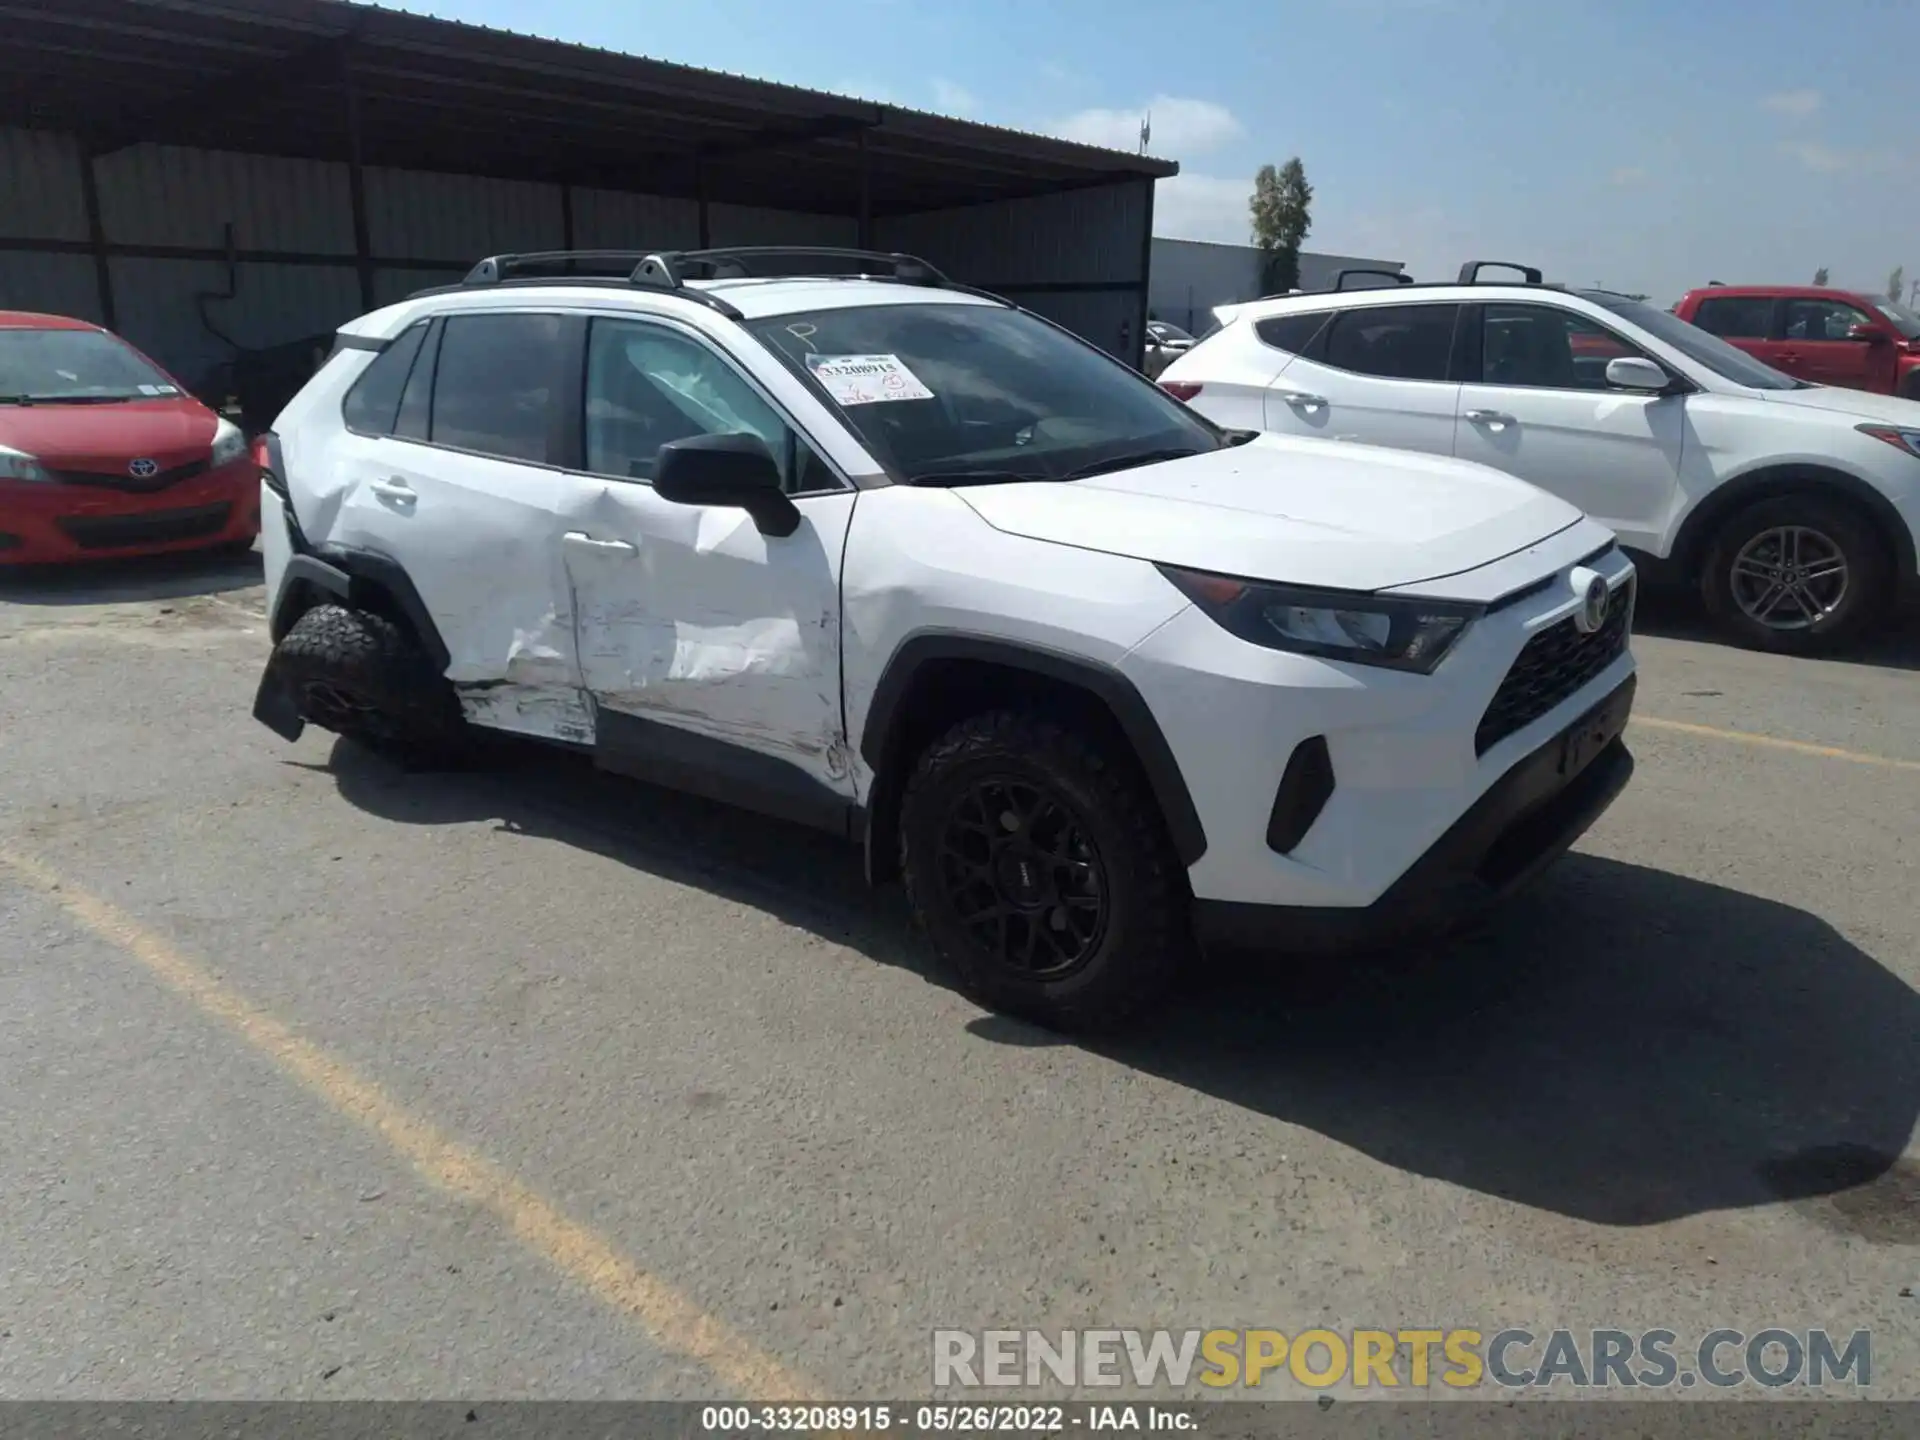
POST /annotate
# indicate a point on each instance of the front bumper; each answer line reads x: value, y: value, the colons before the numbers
x: 1525, y: 822
x: 42, y: 524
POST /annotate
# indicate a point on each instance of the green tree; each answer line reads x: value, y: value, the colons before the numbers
x: 1820, y: 276
x: 1281, y: 209
x: 1897, y: 282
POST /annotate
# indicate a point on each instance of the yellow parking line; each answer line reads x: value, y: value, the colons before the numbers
x: 670, y: 1319
x: 1773, y: 742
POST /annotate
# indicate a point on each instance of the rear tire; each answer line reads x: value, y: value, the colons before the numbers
x: 361, y: 676
x: 1042, y: 873
x: 1796, y: 575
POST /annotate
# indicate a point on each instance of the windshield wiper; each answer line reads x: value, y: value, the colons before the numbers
x: 16, y: 399
x: 1128, y: 462
x: 74, y: 399
x: 976, y: 477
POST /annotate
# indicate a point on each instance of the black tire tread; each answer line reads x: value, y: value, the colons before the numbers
x: 381, y: 661
x: 1149, y: 957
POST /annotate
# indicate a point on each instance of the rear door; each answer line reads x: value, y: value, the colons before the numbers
x: 1816, y: 343
x: 448, y: 471
x: 1537, y: 405
x: 1377, y: 374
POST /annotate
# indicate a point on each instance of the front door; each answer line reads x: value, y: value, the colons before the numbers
x: 710, y: 650
x: 1542, y: 409
x: 1816, y: 346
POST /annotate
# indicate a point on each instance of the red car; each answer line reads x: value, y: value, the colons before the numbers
x: 102, y: 453
x: 1828, y: 337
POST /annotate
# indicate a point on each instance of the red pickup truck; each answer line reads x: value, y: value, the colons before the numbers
x: 1828, y: 337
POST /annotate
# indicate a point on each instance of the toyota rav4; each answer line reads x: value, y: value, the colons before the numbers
x: 886, y: 555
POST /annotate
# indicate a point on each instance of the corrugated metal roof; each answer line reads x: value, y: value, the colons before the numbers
x: 267, y: 76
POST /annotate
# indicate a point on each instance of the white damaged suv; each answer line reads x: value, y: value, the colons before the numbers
x: 892, y: 557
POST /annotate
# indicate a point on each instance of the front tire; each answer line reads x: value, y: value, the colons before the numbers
x: 1042, y: 873
x: 362, y: 676
x: 1796, y: 575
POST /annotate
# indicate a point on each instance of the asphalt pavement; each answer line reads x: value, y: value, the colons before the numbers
x: 320, y: 1079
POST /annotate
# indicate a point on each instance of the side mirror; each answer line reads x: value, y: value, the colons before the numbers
x: 1872, y: 334
x: 1630, y: 372
x: 735, y: 470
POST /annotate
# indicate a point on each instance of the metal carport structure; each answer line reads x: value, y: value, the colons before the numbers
x: 218, y: 179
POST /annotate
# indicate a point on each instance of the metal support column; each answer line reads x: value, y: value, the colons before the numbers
x: 356, y: 179
x: 866, y: 195
x: 97, y: 240
x: 1139, y: 359
x: 700, y: 185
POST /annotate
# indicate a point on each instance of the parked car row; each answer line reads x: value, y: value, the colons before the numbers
x: 1792, y: 506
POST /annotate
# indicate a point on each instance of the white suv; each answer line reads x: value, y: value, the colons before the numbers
x: 1793, y: 507
x: 892, y: 557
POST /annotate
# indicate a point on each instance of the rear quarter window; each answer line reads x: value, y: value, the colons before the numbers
x: 1292, y: 333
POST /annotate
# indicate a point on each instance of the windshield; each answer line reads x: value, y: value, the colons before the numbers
x: 1904, y: 320
x: 1699, y: 346
x: 74, y: 366
x: 945, y: 393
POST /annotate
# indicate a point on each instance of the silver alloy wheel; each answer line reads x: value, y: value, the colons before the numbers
x: 1790, y: 577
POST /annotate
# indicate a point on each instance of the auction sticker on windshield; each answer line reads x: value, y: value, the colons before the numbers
x: 866, y: 379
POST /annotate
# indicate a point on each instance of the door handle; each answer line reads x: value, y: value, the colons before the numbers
x: 1492, y: 419
x: 1302, y: 399
x: 586, y: 545
x: 393, y: 489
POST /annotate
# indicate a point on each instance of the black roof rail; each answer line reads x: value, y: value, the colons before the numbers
x: 668, y: 268
x: 1398, y: 277
x: 1470, y: 272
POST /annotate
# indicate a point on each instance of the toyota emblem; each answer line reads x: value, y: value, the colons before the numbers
x: 142, y: 469
x: 1596, y: 598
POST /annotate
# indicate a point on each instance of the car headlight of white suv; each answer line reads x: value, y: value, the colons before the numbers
x: 1389, y: 631
x: 1894, y: 435
x: 229, y: 444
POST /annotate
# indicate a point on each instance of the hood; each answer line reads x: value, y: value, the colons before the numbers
x: 1309, y: 512
x: 168, y: 431
x: 1857, y: 404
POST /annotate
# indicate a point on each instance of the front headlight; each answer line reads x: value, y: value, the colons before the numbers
x: 15, y: 466
x: 228, y: 444
x: 1894, y: 435
x: 1386, y: 630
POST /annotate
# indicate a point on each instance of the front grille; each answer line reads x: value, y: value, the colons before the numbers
x: 1554, y: 664
x: 134, y: 485
x: 110, y: 532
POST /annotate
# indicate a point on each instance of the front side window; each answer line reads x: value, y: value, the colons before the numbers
x: 648, y: 385
x: 1394, y: 342
x: 1822, y: 319
x: 946, y: 393
x: 1740, y: 317
x: 1900, y: 317
x: 75, y: 367
x: 1546, y: 348
x: 493, y: 387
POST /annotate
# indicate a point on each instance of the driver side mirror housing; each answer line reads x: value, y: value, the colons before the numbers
x: 1872, y: 334
x: 736, y: 470
x: 1632, y: 372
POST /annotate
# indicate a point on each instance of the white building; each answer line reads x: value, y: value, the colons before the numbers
x: 1187, y: 278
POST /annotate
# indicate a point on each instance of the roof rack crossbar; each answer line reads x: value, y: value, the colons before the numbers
x: 672, y: 265
x: 1399, y: 277
x: 1470, y: 272
x: 495, y: 268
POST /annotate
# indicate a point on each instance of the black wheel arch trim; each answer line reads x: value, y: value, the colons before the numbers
x: 357, y: 577
x: 1698, y: 529
x: 880, y: 735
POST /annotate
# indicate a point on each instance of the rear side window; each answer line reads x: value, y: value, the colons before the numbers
x: 374, y: 398
x: 494, y: 385
x: 1737, y: 317
x: 1394, y: 342
x: 1291, y: 333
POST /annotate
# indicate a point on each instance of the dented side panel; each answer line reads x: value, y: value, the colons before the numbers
x: 711, y: 626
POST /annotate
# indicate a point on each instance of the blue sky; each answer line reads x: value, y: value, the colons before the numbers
x: 1644, y: 146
